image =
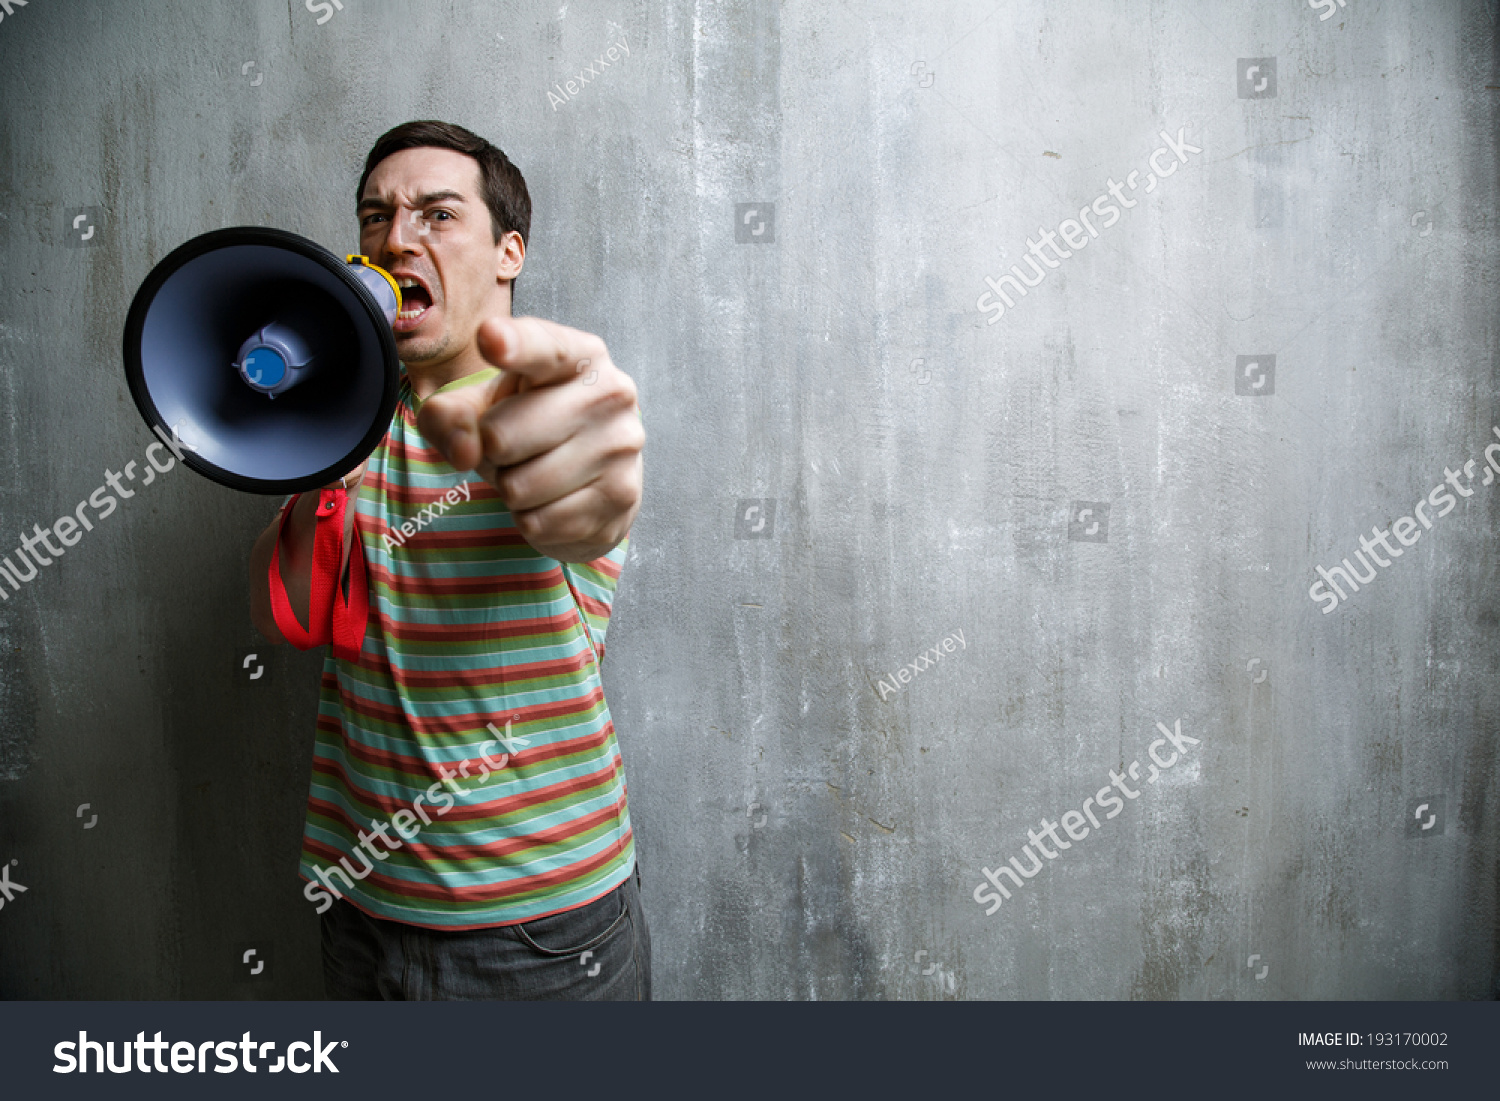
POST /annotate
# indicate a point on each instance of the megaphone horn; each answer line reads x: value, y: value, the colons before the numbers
x: 273, y: 358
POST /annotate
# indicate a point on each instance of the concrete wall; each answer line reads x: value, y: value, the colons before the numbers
x: 805, y: 833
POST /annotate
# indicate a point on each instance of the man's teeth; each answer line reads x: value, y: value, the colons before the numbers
x: 410, y: 314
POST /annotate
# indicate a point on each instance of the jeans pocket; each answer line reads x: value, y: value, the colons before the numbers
x: 575, y: 931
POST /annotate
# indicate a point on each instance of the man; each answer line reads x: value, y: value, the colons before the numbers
x: 467, y: 833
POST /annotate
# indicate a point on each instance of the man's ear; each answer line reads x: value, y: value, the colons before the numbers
x: 511, y: 256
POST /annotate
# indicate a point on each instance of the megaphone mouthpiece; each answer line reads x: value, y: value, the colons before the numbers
x: 379, y: 282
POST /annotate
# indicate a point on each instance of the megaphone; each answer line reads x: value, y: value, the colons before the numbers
x: 271, y: 358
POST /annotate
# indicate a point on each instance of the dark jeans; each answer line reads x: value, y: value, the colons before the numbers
x: 597, y: 952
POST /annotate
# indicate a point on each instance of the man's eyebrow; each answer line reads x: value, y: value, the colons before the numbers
x: 422, y: 200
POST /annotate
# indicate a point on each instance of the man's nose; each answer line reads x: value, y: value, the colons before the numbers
x: 405, y: 235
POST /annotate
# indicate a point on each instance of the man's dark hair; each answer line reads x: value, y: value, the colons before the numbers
x: 504, y: 187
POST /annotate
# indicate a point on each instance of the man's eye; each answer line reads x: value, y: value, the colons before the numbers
x: 441, y: 213
x: 370, y: 218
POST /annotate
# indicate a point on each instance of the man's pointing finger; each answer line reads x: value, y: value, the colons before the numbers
x: 450, y: 420
x: 543, y: 352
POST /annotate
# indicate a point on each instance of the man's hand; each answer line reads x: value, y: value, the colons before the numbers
x: 295, y: 560
x: 558, y: 435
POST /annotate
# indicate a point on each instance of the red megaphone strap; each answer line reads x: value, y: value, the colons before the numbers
x: 331, y: 616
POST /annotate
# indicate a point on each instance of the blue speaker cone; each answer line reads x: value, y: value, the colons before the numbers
x: 263, y: 368
x: 274, y: 359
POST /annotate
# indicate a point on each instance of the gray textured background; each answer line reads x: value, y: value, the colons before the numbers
x: 800, y: 836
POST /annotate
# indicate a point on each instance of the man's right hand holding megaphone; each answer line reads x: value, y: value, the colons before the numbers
x: 295, y: 556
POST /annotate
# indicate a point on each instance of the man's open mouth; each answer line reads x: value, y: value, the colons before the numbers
x: 416, y: 300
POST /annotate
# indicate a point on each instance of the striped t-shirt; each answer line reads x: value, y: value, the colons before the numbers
x: 472, y: 734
